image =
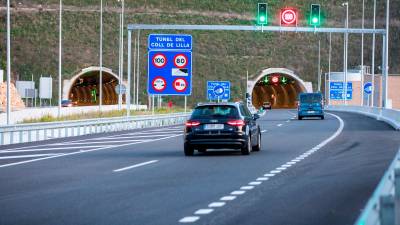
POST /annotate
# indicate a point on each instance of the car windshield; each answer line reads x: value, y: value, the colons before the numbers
x: 215, y: 111
x: 310, y: 98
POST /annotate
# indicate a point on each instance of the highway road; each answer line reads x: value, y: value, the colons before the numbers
x: 308, y: 172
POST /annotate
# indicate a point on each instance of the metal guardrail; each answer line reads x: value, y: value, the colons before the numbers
x: 383, y: 208
x: 21, y: 133
x: 389, y: 116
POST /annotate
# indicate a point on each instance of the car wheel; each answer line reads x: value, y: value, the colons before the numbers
x: 322, y: 117
x: 189, y: 151
x: 247, y: 148
x: 258, y: 146
x: 300, y: 117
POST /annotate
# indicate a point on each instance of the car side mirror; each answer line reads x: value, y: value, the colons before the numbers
x: 256, y: 116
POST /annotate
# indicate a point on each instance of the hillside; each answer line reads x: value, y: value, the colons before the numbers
x: 217, y: 55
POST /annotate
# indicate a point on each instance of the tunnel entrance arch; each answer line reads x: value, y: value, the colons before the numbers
x: 279, y: 86
x: 83, y: 87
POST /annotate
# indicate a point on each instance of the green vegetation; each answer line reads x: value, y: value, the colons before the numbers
x: 93, y: 115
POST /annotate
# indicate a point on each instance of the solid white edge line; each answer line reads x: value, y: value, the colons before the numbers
x: 80, y: 152
x: 27, y: 156
x: 135, y: 166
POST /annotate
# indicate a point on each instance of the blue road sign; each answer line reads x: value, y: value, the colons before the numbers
x: 337, y: 91
x: 218, y: 90
x: 169, y: 64
x: 368, y: 88
x: 170, y: 42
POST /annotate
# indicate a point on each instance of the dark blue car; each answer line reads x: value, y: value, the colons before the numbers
x: 310, y: 105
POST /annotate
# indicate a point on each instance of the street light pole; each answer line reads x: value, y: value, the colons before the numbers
x: 101, y: 58
x: 373, y: 58
x: 60, y: 62
x: 362, y: 55
x: 346, y: 45
x: 8, y: 64
x: 385, y: 69
x: 121, y: 52
x: 329, y: 68
x: 319, y: 66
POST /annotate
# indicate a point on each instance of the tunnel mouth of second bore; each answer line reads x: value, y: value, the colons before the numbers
x: 279, y: 89
x: 85, y: 89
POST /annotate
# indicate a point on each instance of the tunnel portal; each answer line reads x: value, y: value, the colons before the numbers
x: 280, y: 89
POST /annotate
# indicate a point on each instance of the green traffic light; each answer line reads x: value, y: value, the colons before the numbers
x: 262, y: 19
x: 315, y: 20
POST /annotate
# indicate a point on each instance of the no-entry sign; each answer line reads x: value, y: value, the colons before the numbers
x: 169, y: 64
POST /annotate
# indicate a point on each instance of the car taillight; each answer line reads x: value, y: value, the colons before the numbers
x: 192, y: 123
x: 237, y: 123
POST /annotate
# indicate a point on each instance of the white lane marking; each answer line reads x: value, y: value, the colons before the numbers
x: 203, y: 211
x: 263, y: 131
x: 26, y: 156
x: 93, y: 138
x: 95, y: 142
x: 246, y: 187
x: 291, y: 163
x: 135, y: 166
x: 255, y: 183
x: 237, y: 192
x: 275, y: 171
x: 287, y: 121
x: 279, y: 125
x: 51, y: 149
x: 296, y: 160
x: 119, y: 138
x: 263, y: 178
x: 269, y: 175
x: 189, y: 219
x: 228, y: 198
x: 286, y: 165
x: 84, y: 151
x: 281, y: 168
x: 216, y: 204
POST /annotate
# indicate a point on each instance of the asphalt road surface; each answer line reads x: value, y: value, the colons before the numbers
x: 308, y: 172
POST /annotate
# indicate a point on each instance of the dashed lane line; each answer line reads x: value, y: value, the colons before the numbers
x: 135, y: 166
x: 269, y: 175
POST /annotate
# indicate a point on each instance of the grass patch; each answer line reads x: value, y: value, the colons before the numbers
x: 94, y: 115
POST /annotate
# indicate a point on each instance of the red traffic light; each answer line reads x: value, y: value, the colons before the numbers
x: 289, y: 17
x: 275, y: 79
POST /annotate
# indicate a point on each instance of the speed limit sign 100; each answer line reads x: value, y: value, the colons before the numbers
x: 180, y: 60
x: 159, y: 60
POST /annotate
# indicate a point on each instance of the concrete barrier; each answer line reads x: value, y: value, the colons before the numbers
x: 389, y: 116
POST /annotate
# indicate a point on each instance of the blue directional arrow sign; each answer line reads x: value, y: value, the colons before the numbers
x: 218, y: 90
x: 368, y: 88
x: 169, y: 64
x: 337, y: 91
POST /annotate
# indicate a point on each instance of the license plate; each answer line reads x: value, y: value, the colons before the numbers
x: 311, y: 111
x: 213, y: 126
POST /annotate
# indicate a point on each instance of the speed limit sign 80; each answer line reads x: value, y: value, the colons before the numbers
x: 180, y: 60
